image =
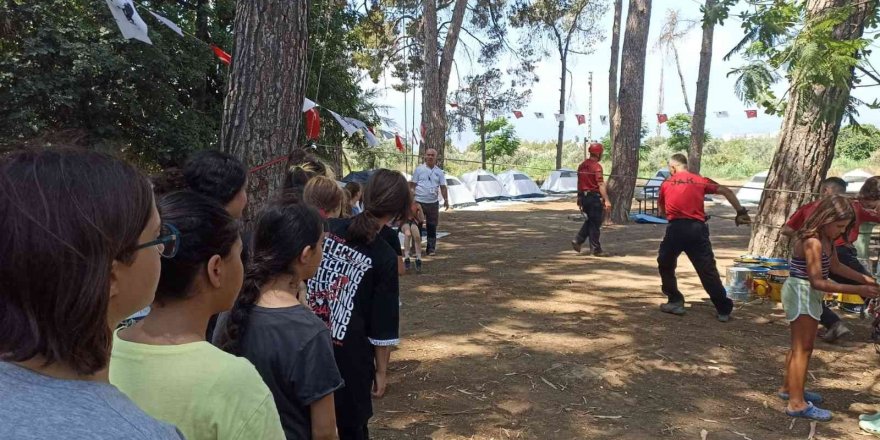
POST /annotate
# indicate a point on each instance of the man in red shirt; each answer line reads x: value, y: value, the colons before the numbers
x: 592, y: 200
x: 864, y: 205
x: 681, y: 202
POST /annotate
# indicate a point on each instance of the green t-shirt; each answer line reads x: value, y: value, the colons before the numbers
x: 207, y: 393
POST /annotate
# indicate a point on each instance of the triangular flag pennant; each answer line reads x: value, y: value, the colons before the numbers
x: 581, y: 119
x: 308, y: 104
x: 170, y: 24
x: 559, y: 116
x: 453, y: 104
x: 387, y: 135
x: 398, y: 142
x: 349, y: 129
x: 539, y: 115
x: 518, y: 114
x: 224, y: 57
x: 603, y: 119
x: 365, y: 129
x: 751, y: 114
x: 313, y: 124
x: 661, y: 118
x: 722, y: 114
x: 129, y: 21
x: 422, y: 131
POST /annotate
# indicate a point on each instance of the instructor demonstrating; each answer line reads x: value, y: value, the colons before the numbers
x: 681, y: 202
x: 428, y: 181
x: 592, y: 200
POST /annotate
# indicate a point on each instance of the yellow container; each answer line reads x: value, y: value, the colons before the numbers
x: 847, y: 298
x: 775, y: 291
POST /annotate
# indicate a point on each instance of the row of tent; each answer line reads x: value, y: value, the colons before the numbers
x: 481, y: 185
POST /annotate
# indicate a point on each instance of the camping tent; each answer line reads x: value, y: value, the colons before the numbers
x: 855, y: 179
x: 459, y: 194
x: 484, y: 185
x: 359, y: 176
x: 561, y: 181
x: 753, y: 189
x: 519, y: 185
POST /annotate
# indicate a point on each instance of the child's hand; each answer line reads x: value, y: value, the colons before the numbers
x: 871, y: 291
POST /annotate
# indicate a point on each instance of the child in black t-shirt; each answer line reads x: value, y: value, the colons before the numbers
x: 286, y: 342
x: 356, y: 293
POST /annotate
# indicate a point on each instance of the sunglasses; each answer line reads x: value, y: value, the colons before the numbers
x: 168, y: 242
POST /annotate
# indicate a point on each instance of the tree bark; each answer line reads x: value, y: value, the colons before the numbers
x: 263, y: 108
x: 563, y: 60
x: 806, y: 145
x: 628, y: 118
x: 483, y: 139
x: 684, y: 92
x: 612, y: 71
x: 698, y: 120
x: 437, y: 69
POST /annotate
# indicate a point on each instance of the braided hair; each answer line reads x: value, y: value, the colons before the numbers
x: 282, y: 232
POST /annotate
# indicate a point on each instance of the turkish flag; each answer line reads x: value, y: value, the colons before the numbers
x: 224, y: 57
x: 313, y: 124
x: 661, y: 118
x: 399, y: 142
x: 751, y: 114
x: 517, y: 113
x: 581, y: 119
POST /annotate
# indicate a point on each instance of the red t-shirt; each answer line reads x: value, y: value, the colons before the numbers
x: 682, y: 195
x: 589, y: 175
x: 800, y: 217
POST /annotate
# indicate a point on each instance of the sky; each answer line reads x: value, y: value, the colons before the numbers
x: 545, y: 93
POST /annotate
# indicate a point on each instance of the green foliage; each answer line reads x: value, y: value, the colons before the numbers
x: 501, y: 139
x: 857, y: 142
x: 679, y: 126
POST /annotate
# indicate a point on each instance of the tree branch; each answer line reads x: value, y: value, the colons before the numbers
x: 869, y: 74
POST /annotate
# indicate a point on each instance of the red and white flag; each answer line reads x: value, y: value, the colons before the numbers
x: 398, y: 142
x: 518, y: 114
x: 581, y: 119
x: 313, y: 124
x: 453, y: 104
x: 751, y: 114
x: 224, y: 57
x: 661, y: 118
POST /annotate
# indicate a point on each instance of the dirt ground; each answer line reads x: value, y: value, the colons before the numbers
x: 508, y: 334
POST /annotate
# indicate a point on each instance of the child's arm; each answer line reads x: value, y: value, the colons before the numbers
x: 323, y: 416
x: 813, y: 254
x: 847, y: 272
x: 420, y: 215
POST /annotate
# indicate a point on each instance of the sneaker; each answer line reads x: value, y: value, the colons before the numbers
x: 723, y: 318
x: 600, y: 253
x: 576, y: 246
x: 407, y: 264
x: 419, y: 265
x: 836, y: 332
x: 675, y: 308
x: 430, y: 252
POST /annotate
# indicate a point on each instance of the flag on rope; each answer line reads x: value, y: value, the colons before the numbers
x: 603, y: 119
x: 399, y: 143
x: 349, y: 129
x: 517, y: 114
x: 422, y: 126
x: 129, y: 21
x: 661, y: 118
x: 581, y: 119
x: 308, y: 104
x: 751, y: 114
x: 453, y: 104
x: 170, y: 24
x: 224, y: 57
x: 365, y: 129
x: 559, y: 116
x: 387, y: 135
x: 722, y: 114
x: 539, y: 115
x: 313, y: 124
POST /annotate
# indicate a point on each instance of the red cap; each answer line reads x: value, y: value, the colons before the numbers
x: 596, y: 149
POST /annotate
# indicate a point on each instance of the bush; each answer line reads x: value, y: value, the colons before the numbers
x: 857, y: 142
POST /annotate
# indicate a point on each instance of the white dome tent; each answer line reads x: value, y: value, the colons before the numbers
x: 561, y: 181
x: 459, y: 194
x: 518, y: 185
x: 484, y: 185
x: 855, y: 179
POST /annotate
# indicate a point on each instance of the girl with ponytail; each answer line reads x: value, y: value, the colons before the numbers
x: 286, y: 342
x: 356, y: 293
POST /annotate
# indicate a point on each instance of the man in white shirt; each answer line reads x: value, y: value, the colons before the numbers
x: 428, y: 182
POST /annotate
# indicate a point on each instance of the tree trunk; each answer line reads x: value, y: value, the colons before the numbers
x: 483, y: 140
x: 805, y: 148
x: 563, y: 60
x: 612, y: 71
x: 436, y: 74
x: 628, y: 119
x: 698, y: 120
x: 263, y: 108
x: 684, y: 92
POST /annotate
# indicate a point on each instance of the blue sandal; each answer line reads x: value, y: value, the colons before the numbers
x: 809, y: 396
x: 811, y: 412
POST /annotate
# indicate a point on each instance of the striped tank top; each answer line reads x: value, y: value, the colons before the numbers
x: 799, y: 267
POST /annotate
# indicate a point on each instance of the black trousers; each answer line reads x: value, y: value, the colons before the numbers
x: 353, y: 433
x: 594, y: 209
x: 692, y: 238
x: 432, y: 217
